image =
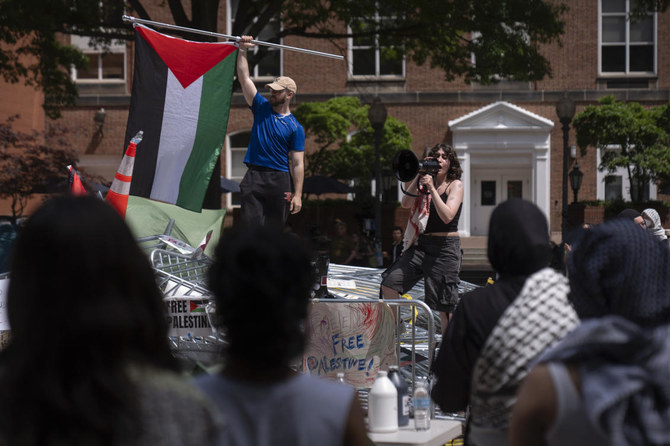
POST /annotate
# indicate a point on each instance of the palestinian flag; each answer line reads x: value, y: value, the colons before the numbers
x: 196, y: 307
x: 181, y: 100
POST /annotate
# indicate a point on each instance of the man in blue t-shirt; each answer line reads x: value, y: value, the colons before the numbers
x: 272, y: 186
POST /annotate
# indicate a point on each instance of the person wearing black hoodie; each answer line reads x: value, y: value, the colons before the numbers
x: 518, y: 246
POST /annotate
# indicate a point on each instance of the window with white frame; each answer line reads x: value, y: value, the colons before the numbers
x: 369, y: 58
x: 270, y: 65
x: 627, y: 46
x: 104, y: 64
x: 235, y: 167
x: 616, y: 185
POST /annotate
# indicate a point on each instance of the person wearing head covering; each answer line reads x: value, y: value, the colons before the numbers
x: 536, y: 319
x: 272, y: 186
x: 606, y: 382
x: 632, y: 214
x: 653, y: 223
x: 518, y: 246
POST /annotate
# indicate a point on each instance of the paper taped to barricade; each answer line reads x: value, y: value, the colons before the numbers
x: 177, y: 244
x: 354, y: 338
x: 187, y: 317
x: 339, y: 283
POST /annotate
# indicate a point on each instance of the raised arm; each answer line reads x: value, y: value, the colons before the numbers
x: 407, y: 200
x: 248, y: 87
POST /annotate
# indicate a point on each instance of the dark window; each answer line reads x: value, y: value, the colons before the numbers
x: 514, y: 189
x: 488, y: 193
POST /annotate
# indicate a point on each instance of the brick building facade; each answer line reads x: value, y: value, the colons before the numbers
x: 508, y: 135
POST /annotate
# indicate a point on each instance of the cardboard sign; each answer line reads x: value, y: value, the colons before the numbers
x: 355, y: 338
x: 187, y: 317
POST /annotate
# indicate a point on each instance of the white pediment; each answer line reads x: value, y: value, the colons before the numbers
x: 501, y: 116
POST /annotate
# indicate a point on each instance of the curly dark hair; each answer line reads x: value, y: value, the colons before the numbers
x: 263, y: 275
x: 455, y: 170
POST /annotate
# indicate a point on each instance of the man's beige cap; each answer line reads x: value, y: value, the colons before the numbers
x: 283, y: 82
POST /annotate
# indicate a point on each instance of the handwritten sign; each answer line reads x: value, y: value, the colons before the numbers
x: 354, y: 338
x: 187, y: 317
x: 4, y: 321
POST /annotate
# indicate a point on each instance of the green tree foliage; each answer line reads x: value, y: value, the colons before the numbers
x: 641, y: 137
x: 505, y: 37
x: 343, y: 157
x: 28, y: 165
x: 508, y: 43
x: 32, y: 52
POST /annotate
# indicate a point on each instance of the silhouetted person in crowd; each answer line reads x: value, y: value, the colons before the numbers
x: 396, y: 246
x: 497, y: 330
x: 88, y: 361
x: 606, y: 382
x: 264, y: 401
x: 633, y: 215
x: 342, y: 245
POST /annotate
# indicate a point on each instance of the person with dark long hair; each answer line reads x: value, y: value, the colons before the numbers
x: 263, y: 399
x: 432, y: 247
x: 88, y: 361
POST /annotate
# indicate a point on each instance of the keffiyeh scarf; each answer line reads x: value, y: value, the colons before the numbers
x: 651, y: 216
x: 418, y: 218
x: 539, y: 317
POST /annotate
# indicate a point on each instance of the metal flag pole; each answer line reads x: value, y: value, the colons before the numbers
x: 135, y: 20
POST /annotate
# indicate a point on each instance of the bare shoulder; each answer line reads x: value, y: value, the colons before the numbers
x: 355, y: 433
x: 535, y: 408
x: 455, y: 185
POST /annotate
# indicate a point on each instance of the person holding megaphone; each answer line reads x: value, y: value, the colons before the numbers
x: 432, y: 247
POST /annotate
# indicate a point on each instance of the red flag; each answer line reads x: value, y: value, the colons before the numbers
x: 75, y: 182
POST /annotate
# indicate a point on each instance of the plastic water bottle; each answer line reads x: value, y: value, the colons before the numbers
x: 138, y: 137
x: 403, y: 394
x: 421, y: 407
x: 383, y: 405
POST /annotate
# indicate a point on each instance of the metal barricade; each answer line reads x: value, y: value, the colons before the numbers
x: 181, y: 277
x: 179, y: 274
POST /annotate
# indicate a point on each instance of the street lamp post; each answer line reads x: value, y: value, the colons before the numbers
x: 576, y: 176
x: 565, y: 109
x: 387, y: 181
x: 377, y: 117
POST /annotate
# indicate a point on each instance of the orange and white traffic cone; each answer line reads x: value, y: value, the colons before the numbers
x: 118, y: 193
x: 76, y: 187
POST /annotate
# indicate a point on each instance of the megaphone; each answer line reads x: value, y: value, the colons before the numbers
x: 406, y: 165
